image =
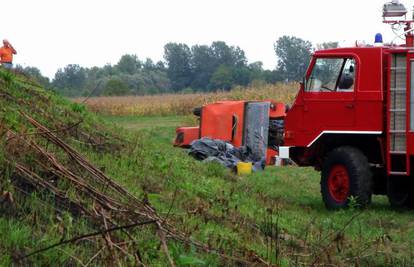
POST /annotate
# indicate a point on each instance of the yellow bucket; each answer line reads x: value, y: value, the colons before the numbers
x: 244, y: 168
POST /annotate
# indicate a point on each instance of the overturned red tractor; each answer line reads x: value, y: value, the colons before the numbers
x: 253, y: 124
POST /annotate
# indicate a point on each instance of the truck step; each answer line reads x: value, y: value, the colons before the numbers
x: 397, y: 110
x: 398, y: 173
x: 397, y: 131
x: 398, y: 89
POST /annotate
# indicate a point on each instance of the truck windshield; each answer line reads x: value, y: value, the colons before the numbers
x: 332, y: 74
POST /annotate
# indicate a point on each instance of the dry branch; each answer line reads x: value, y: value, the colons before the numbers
x: 72, y: 240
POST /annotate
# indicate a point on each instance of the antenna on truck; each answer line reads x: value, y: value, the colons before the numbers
x: 395, y: 14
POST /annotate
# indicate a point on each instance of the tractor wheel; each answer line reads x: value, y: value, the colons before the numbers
x: 346, y: 173
x: 399, y: 192
x: 197, y: 111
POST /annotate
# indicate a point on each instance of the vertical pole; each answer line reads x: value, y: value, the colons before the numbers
x: 388, y: 113
x: 409, y: 37
x: 408, y: 112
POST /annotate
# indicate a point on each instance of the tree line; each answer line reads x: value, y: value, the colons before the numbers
x: 185, y: 69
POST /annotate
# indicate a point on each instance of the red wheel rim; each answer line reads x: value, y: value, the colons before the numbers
x: 338, y: 183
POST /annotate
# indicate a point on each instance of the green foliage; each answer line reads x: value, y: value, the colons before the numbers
x: 12, y: 119
x: 222, y: 78
x: 78, y: 108
x: 273, y: 76
x: 228, y: 55
x: 353, y: 203
x: 138, y: 78
x: 185, y: 260
x: 129, y: 64
x: 293, y: 57
x: 71, y: 77
x: 14, y: 235
x: 7, y: 77
x: 327, y: 45
x: 199, y: 67
x: 115, y: 87
x: 187, y: 90
x: 178, y: 58
x: 207, y: 66
x: 202, y: 67
x: 35, y: 74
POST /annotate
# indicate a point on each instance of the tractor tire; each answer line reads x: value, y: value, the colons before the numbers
x: 346, y: 173
x: 399, y: 192
x: 197, y: 111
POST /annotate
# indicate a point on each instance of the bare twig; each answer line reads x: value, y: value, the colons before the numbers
x: 73, y: 257
x: 340, y: 232
x: 94, y: 256
x: 165, y: 247
x: 90, y: 94
x: 86, y: 236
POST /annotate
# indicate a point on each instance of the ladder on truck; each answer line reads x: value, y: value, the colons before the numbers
x: 398, y: 161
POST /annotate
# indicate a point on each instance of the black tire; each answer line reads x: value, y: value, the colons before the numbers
x: 358, y: 182
x: 400, y: 192
x: 197, y: 111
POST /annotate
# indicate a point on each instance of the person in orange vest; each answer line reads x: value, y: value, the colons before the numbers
x: 6, y: 54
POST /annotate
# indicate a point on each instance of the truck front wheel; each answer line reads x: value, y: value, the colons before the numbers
x: 346, y: 173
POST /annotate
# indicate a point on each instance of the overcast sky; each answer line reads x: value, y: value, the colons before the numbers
x: 50, y: 34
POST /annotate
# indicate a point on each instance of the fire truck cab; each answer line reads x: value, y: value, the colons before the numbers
x: 353, y: 119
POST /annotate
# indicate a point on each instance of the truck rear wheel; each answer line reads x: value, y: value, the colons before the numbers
x: 346, y: 173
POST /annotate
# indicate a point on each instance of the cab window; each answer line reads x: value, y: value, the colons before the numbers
x: 332, y: 75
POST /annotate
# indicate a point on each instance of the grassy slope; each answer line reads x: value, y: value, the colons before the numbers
x: 291, y: 195
x: 28, y: 221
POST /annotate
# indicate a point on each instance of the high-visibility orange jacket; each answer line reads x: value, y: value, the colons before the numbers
x: 6, y: 54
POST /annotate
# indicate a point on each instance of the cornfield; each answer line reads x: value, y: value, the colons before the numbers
x: 183, y: 104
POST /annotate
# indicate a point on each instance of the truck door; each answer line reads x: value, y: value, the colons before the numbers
x: 329, y: 95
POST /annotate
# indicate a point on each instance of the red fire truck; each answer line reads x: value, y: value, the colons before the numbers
x: 353, y: 119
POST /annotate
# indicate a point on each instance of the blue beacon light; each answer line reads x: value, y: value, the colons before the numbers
x: 378, y: 38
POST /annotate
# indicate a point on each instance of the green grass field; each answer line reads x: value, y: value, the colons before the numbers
x: 278, y: 212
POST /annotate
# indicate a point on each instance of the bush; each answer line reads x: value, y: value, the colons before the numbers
x: 115, y: 87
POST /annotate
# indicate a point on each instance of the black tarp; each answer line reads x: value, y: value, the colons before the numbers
x: 208, y: 149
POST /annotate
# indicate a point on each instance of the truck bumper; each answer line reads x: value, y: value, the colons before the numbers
x: 284, y: 152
